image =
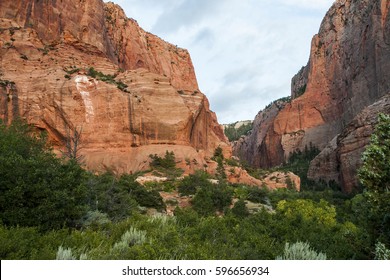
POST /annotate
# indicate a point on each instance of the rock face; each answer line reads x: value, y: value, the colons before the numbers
x: 254, y: 148
x: 348, y: 70
x: 82, y: 65
x: 341, y: 159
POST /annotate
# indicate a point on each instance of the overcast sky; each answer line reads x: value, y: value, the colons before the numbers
x: 245, y: 52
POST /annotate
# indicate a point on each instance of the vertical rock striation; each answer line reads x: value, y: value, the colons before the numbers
x: 348, y: 70
x: 83, y: 65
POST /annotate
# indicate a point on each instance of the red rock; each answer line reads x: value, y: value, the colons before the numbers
x: 46, y: 49
x: 348, y: 70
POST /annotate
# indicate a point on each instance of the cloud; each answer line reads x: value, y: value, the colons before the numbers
x: 187, y: 13
x: 244, y: 52
x: 309, y: 4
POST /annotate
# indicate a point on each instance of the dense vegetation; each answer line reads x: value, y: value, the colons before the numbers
x: 52, y: 208
x: 233, y: 133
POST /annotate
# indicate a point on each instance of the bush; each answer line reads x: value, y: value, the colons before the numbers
x: 64, y: 254
x: 95, y: 220
x: 210, y: 199
x: 381, y: 252
x: 37, y: 189
x: 239, y: 209
x: 233, y: 134
x: 190, y: 184
x: 167, y: 162
x: 258, y: 195
x: 300, y: 251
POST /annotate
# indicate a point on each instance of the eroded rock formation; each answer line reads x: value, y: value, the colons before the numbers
x: 348, y: 70
x: 83, y: 65
x: 341, y: 159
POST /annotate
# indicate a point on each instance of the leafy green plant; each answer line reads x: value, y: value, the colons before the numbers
x: 131, y: 237
x: 381, y: 252
x: 233, y: 133
x: 191, y: 183
x: 375, y: 176
x: 168, y: 161
x: 64, y: 254
x: 239, y: 209
x: 375, y: 172
x: 107, y: 78
x: 37, y: 188
x: 300, y: 251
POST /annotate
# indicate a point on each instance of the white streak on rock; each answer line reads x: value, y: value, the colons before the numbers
x: 82, y: 83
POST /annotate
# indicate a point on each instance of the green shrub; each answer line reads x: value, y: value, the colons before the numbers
x: 258, y: 195
x: 381, y: 252
x: 37, y: 188
x: 95, y: 220
x: 233, y: 134
x: 239, y: 209
x: 190, y: 184
x: 300, y: 251
x: 107, y: 78
x: 64, y: 254
x: 210, y: 199
x: 167, y: 162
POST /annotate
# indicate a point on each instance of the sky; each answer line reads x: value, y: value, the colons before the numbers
x: 245, y: 52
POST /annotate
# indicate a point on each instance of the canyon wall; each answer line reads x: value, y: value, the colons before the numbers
x: 348, y: 70
x: 83, y: 65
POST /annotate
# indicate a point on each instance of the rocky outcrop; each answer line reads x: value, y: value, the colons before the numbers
x: 82, y: 65
x: 348, y: 70
x: 341, y: 159
x: 253, y: 148
x: 103, y: 29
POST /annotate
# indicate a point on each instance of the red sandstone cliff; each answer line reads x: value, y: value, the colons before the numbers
x: 348, y: 70
x: 46, y: 50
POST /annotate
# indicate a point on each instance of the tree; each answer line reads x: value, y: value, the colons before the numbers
x: 190, y: 184
x: 375, y: 172
x: 36, y: 188
x: 72, y: 143
x: 375, y: 176
x: 239, y: 209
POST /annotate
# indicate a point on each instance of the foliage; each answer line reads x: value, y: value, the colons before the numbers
x: 37, y: 189
x: 95, y: 220
x: 120, y: 197
x: 218, y: 153
x: 71, y: 70
x: 233, y: 133
x: 375, y: 176
x: 299, y: 162
x: 209, y: 199
x: 301, y: 91
x: 72, y: 143
x: 375, y: 172
x: 130, y: 238
x: 107, y: 78
x: 277, y: 102
x: 52, y: 208
x: 191, y: 183
x: 167, y: 162
x: 308, y: 211
x: 258, y: 195
x: 300, y: 251
x: 239, y: 209
x: 381, y: 252
x: 64, y: 254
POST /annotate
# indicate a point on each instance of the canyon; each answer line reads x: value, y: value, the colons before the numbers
x: 348, y: 71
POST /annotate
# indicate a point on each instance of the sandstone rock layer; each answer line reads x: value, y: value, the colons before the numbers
x: 348, y: 70
x: 144, y: 99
